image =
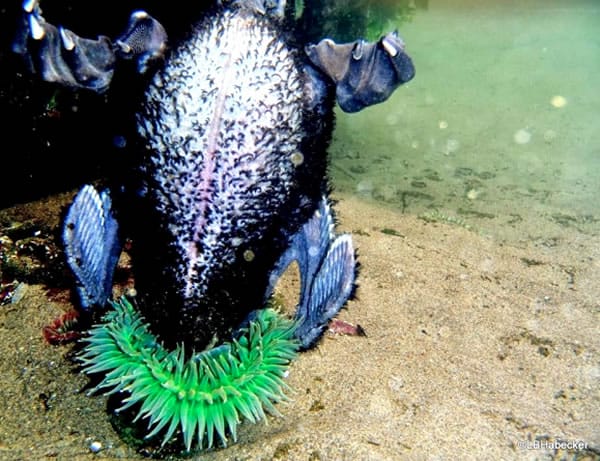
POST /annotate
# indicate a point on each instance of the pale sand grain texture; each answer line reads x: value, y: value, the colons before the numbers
x: 472, y: 347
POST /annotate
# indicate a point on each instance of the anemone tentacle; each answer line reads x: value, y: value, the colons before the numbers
x: 206, y: 394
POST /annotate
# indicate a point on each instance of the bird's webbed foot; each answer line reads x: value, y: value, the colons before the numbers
x: 92, y: 245
x: 364, y: 73
x: 59, y: 55
x: 327, y: 266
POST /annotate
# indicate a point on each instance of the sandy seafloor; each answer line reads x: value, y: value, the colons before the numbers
x: 473, y: 348
x: 472, y: 200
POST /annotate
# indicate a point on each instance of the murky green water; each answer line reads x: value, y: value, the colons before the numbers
x: 499, y: 130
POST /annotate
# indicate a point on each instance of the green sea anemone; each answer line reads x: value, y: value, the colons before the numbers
x: 203, y: 395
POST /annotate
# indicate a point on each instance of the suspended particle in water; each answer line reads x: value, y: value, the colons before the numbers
x: 558, y: 101
x: 385, y: 192
x: 120, y: 141
x: 400, y: 137
x: 249, y: 255
x: 392, y: 119
x: 297, y: 158
x: 522, y: 136
x: 443, y: 124
x: 473, y: 194
x: 549, y: 136
x: 365, y: 187
x: 452, y: 146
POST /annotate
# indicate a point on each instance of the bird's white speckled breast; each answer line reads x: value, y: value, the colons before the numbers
x: 222, y: 123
